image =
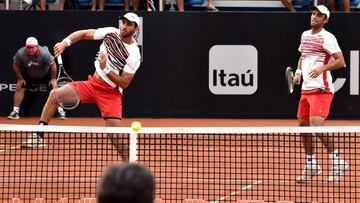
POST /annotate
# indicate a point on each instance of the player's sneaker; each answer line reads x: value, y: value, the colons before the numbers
x: 308, y: 173
x: 34, y: 141
x: 337, y: 170
x: 62, y: 115
x: 14, y: 115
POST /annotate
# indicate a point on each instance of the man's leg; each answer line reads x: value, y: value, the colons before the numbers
x: 339, y: 166
x: 18, y: 98
x: 311, y: 168
x: 37, y: 139
x: 326, y: 140
x: 49, y: 108
x: 121, y: 144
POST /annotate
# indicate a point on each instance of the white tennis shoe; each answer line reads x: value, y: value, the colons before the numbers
x: 34, y: 141
x: 308, y: 173
x: 337, y: 170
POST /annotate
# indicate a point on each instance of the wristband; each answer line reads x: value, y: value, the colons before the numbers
x: 67, y: 41
x: 298, y: 71
x: 106, y: 70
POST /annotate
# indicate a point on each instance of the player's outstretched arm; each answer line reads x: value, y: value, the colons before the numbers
x: 73, y: 38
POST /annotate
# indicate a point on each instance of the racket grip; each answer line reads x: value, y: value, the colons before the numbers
x: 59, y: 59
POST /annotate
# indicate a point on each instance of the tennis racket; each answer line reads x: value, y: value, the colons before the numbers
x: 289, y: 77
x: 66, y: 94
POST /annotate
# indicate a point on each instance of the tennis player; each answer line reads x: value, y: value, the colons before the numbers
x: 32, y: 64
x: 114, y: 70
x: 320, y: 54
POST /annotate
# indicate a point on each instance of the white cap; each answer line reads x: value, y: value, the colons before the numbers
x: 322, y: 9
x: 132, y: 17
x: 31, y: 42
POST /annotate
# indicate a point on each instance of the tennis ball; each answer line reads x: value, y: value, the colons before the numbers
x: 136, y: 126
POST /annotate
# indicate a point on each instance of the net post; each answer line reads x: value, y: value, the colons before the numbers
x: 133, y: 147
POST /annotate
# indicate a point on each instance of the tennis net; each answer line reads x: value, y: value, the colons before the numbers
x: 255, y: 164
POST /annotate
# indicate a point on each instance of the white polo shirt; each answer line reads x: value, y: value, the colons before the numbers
x: 132, y: 62
x: 316, y: 50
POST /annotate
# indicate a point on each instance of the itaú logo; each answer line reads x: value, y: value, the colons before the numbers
x: 354, y: 75
x: 233, y: 69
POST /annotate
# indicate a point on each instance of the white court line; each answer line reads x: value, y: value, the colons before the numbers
x: 236, y: 192
x: 11, y: 148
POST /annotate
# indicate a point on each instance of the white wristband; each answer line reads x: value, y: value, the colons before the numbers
x: 298, y: 71
x: 67, y: 41
x: 106, y: 70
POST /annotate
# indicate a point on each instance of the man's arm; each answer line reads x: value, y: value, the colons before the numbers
x: 17, y: 71
x: 337, y: 63
x: 122, y: 80
x: 73, y: 38
x: 20, y: 82
x: 53, y: 71
x: 297, y: 77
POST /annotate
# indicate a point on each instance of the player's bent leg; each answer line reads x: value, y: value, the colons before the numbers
x: 49, y: 108
x: 36, y: 139
x: 121, y: 144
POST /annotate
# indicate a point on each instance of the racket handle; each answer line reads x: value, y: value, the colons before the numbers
x: 59, y: 59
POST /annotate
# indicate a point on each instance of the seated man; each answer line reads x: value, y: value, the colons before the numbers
x: 32, y: 64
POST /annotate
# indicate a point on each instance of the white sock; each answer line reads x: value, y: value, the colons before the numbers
x: 310, y: 160
x: 334, y: 157
x: 16, y: 109
x: 60, y: 109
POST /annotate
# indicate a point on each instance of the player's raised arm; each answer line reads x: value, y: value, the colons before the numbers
x: 73, y: 38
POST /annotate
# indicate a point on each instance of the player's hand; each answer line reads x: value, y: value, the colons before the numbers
x: 21, y: 83
x: 59, y: 48
x: 316, y: 72
x: 100, y: 56
x: 52, y: 83
x: 297, y: 79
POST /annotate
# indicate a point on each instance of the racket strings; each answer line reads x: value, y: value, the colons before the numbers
x: 116, y: 51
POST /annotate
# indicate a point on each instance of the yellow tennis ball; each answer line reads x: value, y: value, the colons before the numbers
x: 136, y: 126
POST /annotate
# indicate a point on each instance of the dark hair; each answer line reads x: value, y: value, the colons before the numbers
x: 126, y: 183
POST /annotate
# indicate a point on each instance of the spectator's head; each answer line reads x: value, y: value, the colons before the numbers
x: 31, y: 45
x: 126, y: 183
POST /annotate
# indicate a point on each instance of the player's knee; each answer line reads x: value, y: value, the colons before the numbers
x: 52, y: 96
